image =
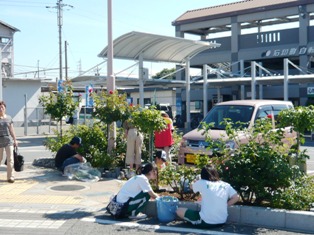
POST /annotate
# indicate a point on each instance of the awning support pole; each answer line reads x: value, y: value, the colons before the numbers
x: 141, y: 80
x: 188, y: 98
x: 285, y: 80
x: 205, y: 98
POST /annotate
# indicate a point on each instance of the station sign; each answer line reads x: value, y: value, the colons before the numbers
x: 310, y: 92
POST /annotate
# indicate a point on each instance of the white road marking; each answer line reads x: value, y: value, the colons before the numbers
x: 22, y: 223
x: 155, y: 227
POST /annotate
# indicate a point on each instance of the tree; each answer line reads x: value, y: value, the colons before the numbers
x: 111, y: 107
x: 60, y: 105
x: 148, y: 121
x: 165, y: 72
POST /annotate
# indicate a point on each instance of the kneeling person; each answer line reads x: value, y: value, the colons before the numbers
x: 68, y: 154
x: 137, y: 191
x: 216, y: 195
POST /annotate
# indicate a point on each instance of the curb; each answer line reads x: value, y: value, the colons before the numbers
x: 256, y: 216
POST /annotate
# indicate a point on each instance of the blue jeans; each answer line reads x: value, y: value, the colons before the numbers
x: 69, y: 161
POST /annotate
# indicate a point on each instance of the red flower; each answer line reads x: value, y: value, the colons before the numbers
x: 110, y: 92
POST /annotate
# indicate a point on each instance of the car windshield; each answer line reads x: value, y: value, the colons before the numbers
x: 88, y: 110
x: 237, y: 113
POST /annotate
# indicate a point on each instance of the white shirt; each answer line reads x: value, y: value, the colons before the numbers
x: 215, y: 196
x: 132, y: 187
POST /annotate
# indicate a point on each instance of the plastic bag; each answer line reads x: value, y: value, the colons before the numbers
x: 83, y: 172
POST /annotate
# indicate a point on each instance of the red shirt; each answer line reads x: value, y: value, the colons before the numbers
x: 164, y: 138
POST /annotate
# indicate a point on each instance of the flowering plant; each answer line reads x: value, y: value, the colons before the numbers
x: 111, y: 106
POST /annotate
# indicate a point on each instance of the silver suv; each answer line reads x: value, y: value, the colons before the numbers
x: 245, y: 111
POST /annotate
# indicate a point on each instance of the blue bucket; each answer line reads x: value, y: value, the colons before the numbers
x: 166, y: 208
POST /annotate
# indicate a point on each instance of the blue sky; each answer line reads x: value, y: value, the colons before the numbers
x: 85, y: 30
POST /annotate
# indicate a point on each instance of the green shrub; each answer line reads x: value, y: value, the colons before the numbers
x: 299, y: 196
x: 258, y: 168
x: 179, y: 179
x: 94, y: 144
x: 177, y: 137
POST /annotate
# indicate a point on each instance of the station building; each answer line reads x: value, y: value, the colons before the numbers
x: 267, y: 33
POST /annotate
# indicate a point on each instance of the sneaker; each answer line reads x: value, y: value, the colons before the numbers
x: 138, y: 216
x: 11, y: 180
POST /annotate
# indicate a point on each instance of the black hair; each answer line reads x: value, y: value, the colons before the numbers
x: 3, y: 103
x: 147, y: 168
x: 158, y: 154
x: 209, y: 173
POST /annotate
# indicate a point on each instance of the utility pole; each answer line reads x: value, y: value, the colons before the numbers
x: 59, y: 6
x: 66, y: 59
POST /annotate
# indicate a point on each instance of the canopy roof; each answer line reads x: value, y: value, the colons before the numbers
x: 156, y: 48
x: 125, y: 82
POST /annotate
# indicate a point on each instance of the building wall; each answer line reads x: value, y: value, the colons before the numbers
x: 159, y: 96
x: 17, y: 92
x: 6, y: 47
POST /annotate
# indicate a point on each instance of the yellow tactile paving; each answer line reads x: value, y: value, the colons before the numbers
x: 17, y: 188
x: 16, y: 193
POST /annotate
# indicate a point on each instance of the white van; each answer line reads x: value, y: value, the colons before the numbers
x: 245, y: 111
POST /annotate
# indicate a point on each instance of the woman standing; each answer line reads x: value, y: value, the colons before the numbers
x: 164, y: 139
x: 7, y: 140
x: 134, y: 147
x: 137, y: 191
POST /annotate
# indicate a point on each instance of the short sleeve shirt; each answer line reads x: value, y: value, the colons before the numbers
x: 65, y: 152
x: 133, y: 187
x: 215, y: 196
x: 5, y: 138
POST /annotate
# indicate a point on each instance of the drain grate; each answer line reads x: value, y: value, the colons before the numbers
x: 67, y: 187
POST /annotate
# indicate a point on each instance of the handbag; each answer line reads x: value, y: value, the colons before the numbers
x: 116, y: 209
x: 18, y: 160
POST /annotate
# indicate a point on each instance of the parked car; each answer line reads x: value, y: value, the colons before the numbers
x: 245, y: 111
x: 85, y: 115
x: 196, y: 118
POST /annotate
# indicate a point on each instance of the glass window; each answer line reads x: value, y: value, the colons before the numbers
x: 264, y: 112
x: 236, y: 113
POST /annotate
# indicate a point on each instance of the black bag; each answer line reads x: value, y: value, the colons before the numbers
x: 18, y: 160
x: 70, y: 120
x: 116, y: 209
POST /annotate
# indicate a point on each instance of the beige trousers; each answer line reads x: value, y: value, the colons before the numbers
x: 134, y: 147
x: 10, y: 160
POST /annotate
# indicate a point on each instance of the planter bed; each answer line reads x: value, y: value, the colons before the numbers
x: 302, y: 221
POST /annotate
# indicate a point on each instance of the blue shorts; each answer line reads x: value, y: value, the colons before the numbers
x: 69, y: 161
